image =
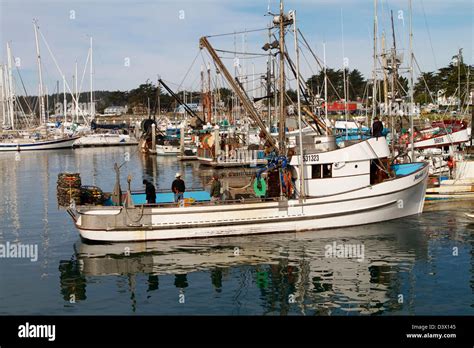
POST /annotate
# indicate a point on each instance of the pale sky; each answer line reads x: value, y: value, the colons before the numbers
x: 160, y: 37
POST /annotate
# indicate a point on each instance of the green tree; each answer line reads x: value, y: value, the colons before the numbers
x: 357, y: 84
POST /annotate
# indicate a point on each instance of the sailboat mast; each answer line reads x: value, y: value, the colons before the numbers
x: 2, y: 95
x: 282, y: 126
x: 91, y: 89
x: 64, y: 98
x: 11, y: 94
x: 410, y: 109
x: 40, y: 74
x: 76, y: 94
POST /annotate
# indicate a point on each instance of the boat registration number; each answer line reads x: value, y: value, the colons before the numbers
x: 310, y: 158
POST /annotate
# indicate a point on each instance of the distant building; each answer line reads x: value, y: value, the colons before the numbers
x: 193, y: 106
x: 115, y: 110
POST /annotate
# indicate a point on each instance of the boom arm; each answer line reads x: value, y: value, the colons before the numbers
x: 204, y: 42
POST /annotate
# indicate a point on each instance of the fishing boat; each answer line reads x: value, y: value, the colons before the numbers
x: 339, y: 193
x: 307, y: 187
x: 459, y: 187
x: 439, y: 137
x: 223, y: 149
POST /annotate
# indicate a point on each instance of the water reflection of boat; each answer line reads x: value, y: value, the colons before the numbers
x: 294, y: 263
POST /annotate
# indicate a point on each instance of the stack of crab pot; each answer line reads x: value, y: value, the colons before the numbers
x: 69, y: 189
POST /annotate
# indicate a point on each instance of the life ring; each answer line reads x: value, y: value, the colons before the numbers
x: 260, y: 187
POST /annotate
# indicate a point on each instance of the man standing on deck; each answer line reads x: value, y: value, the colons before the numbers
x: 150, y: 192
x: 215, y: 189
x: 178, y: 188
x: 377, y: 128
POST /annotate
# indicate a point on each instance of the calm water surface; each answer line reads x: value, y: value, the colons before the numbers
x: 419, y: 265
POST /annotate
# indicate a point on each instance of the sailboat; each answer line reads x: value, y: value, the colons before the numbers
x: 310, y: 187
x: 41, y: 138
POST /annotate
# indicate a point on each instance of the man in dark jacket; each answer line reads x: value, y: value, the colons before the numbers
x: 377, y: 128
x: 150, y: 192
x: 178, y: 187
x: 215, y: 188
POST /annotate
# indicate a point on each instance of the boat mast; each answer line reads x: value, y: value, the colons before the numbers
x: 282, y: 126
x: 158, y: 86
x: 374, y: 71
x: 459, y: 80
x: 91, y: 91
x: 208, y: 95
x: 64, y: 98
x: 47, y: 103
x: 11, y: 92
x: 76, y: 92
x: 40, y: 74
x: 394, y: 81
x: 326, y: 121
x: 269, y: 82
x: 344, y: 85
x: 2, y: 95
x: 384, y: 68
x: 410, y: 109
x: 297, y: 52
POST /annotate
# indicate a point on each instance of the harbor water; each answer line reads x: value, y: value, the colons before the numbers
x: 421, y: 265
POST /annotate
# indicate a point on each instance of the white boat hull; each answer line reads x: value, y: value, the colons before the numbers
x: 105, y: 140
x: 38, y: 145
x: 454, y: 138
x: 167, y: 150
x: 389, y: 200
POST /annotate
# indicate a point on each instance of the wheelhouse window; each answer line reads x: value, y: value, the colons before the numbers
x: 316, y: 171
x: 327, y: 170
x: 321, y: 171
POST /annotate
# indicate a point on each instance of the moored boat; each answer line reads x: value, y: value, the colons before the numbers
x: 339, y: 191
x: 35, y: 145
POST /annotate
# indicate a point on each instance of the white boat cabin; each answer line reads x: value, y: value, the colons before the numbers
x: 345, y: 169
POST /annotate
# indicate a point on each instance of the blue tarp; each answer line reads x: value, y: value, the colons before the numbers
x: 406, y: 168
x: 168, y: 197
